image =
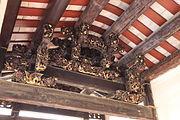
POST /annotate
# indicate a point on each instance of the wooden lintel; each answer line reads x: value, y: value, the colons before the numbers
x: 7, y: 28
x: 91, y: 12
x: 128, y: 17
x: 48, y: 97
x: 52, y: 15
x: 163, y: 66
x: 82, y: 80
x: 153, y: 41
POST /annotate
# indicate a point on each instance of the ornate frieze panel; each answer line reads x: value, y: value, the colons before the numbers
x: 79, y: 52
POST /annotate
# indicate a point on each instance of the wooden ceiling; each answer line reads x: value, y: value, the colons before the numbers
x: 137, y: 31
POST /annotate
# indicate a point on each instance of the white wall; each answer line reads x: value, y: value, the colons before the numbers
x: 166, y: 93
x: 3, y: 4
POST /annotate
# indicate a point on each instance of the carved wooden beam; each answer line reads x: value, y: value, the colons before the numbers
x: 153, y: 41
x: 55, y: 10
x: 82, y: 80
x: 163, y: 66
x: 91, y: 12
x: 42, y: 96
x: 128, y: 17
x: 7, y: 28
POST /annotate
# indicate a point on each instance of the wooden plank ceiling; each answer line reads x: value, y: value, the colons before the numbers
x: 158, y: 14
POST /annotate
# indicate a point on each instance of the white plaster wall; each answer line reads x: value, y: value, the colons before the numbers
x: 3, y: 4
x: 166, y: 93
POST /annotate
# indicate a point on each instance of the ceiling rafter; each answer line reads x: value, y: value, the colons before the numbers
x: 166, y: 31
x: 92, y: 11
x: 28, y: 94
x: 128, y: 17
x: 7, y: 28
x: 163, y: 66
x: 55, y: 10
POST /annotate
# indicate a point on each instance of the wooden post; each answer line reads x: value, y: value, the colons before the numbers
x: 149, y: 102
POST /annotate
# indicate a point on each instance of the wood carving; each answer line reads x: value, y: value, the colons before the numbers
x: 134, y: 87
x: 79, y: 52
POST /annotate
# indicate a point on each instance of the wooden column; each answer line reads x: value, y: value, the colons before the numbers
x: 42, y: 96
x: 149, y: 101
x: 7, y: 28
